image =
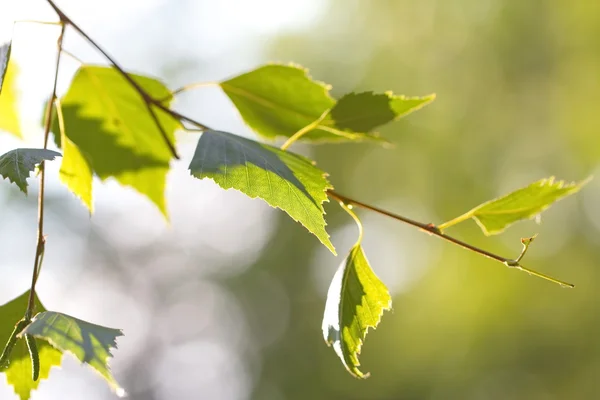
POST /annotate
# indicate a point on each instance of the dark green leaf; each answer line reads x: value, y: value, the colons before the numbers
x: 4, y: 58
x: 17, y: 164
x: 284, y: 180
x: 114, y: 133
x: 19, y: 369
x: 356, y: 301
x: 90, y: 343
x: 363, y: 112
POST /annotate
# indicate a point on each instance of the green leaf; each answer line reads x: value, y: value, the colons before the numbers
x: 279, y: 100
x: 76, y: 173
x: 9, y: 117
x: 17, y: 164
x: 76, y: 170
x: 4, y: 58
x: 356, y: 301
x: 363, y: 112
x: 90, y: 343
x: 116, y: 137
x: 284, y: 180
x: 496, y: 215
x: 18, y: 371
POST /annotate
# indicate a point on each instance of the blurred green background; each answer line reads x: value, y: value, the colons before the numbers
x: 226, y: 302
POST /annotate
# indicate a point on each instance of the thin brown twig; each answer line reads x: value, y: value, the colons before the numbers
x: 146, y: 97
x: 433, y: 230
x: 149, y: 100
x: 41, y: 240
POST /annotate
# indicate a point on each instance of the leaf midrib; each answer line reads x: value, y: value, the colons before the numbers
x: 266, y: 102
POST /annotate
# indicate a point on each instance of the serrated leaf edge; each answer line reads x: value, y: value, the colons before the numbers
x: 545, y: 181
x: 354, y: 371
x: 24, y: 189
x: 329, y: 245
x: 113, y: 346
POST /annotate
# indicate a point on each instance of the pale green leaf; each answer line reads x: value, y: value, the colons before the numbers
x: 9, y: 116
x: 18, y: 371
x: 4, y: 58
x: 496, y: 215
x: 76, y: 172
x: 282, y: 179
x: 107, y: 120
x: 90, y: 343
x: 279, y: 100
x: 17, y: 164
x: 356, y: 301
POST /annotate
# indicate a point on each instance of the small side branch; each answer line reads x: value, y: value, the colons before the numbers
x: 434, y: 230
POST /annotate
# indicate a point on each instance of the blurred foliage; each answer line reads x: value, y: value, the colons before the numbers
x: 516, y: 86
x: 517, y: 93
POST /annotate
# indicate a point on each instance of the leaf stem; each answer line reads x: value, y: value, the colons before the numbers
x: 305, y: 130
x: 348, y: 209
x: 33, y: 21
x: 41, y: 240
x: 435, y: 230
x: 454, y: 221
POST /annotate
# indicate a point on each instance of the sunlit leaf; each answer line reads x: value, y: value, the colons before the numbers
x: 18, y: 371
x: 278, y: 100
x: 76, y: 173
x: 9, y: 117
x: 17, y: 164
x: 76, y: 169
x: 496, y: 215
x: 107, y: 120
x: 356, y: 301
x: 90, y: 343
x: 282, y: 179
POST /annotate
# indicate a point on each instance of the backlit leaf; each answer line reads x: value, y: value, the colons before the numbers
x: 76, y: 169
x: 17, y: 164
x: 356, y: 301
x: 363, y: 112
x: 284, y: 180
x: 496, y: 215
x: 9, y: 117
x: 279, y: 100
x: 108, y: 122
x: 18, y: 371
x: 90, y: 343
